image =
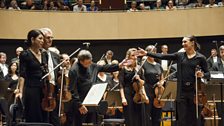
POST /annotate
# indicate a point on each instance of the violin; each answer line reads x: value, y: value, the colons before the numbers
x: 140, y: 95
x: 64, y: 95
x: 48, y: 101
x: 157, y: 100
x: 160, y: 89
x: 63, y: 80
x: 201, y: 98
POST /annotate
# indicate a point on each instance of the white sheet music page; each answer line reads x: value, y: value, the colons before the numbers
x: 95, y: 94
x: 217, y: 75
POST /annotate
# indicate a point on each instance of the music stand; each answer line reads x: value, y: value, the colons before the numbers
x: 169, y: 94
x: 170, y: 90
x: 93, y: 98
x: 217, y: 78
x: 3, y: 88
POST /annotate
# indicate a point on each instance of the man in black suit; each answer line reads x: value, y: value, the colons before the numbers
x: 3, y: 73
x: 82, y: 76
x: 219, y: 66
x: 53, y: 60
x: 18, y: 51
x: 3, y: 66
x: 213, y: 58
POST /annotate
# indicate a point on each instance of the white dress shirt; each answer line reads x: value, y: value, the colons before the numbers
x: 4, y: 69
x: 50, y: 68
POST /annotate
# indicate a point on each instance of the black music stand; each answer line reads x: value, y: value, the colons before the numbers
x: 169, y: 94
x: 217, y: 78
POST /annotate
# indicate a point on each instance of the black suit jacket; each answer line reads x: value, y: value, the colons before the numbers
x: 210, y: 62
x: 2, y: 74
x: 217, y: 66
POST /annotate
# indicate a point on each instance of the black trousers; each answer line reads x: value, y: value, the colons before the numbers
x: 186, y: 110
x: 220, y: 112
x: 74, y: 118
x: 5, y: 110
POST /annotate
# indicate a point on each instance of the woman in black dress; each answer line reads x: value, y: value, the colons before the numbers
x: 30, y: 84
x: 13, y: 75
x: 133, y: 112
x: 187, y: 62
x: 153, y: 74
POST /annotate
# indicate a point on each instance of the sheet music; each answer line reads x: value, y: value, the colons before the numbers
x: 216, y: 75
x: 95, y: 94
x: 164, y: 64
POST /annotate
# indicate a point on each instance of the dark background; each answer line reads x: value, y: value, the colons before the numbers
x: 119, y: 47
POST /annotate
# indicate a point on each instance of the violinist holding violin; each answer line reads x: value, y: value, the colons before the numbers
x: 132, y: 91
x: 64, y: 94
x: 153, y: 74
x: 30, y: 84
x: 187, y: 62
x: 53, y: 61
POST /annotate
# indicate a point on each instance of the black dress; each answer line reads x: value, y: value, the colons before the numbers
x: 185, y: 84
x: 30, y: 70
x: 152, y: 74
x: 133, y: 113
x: 11, y: 88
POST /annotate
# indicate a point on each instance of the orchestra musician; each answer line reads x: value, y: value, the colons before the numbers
x: 186, y: 64
x: 30, y: 84
x: 133, y: 112
x: 153, y: 74
x: 219, y: 66
x: 53, y: 61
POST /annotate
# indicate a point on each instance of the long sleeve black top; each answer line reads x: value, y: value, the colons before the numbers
x: 185, y: 66
x: 82, y: 79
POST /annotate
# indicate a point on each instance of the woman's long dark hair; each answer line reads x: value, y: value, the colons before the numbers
x: 17, y: 68
x: 32, y: 34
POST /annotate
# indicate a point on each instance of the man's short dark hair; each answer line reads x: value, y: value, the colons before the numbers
x: 84, y: 55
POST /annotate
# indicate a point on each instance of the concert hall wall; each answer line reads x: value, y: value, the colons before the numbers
x: 99, y: 47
